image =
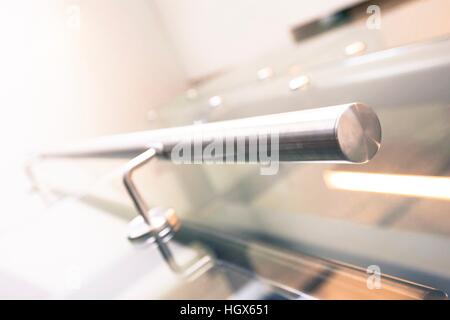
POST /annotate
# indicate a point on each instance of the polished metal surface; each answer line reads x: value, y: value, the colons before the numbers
x: 157, y: 225
x: 164, y: 221
x: 349, y: 132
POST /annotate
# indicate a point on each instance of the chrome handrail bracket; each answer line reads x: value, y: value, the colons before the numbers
x: 157, y: 225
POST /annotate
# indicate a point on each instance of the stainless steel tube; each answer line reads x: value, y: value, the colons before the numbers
x: 349, y: 133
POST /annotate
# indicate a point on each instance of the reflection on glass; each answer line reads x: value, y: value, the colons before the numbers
x: 405, y: 185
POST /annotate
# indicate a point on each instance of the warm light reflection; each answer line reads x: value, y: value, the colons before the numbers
x: 355, y: 48
x: 404, y: 185
x: 215, y: 101
x: 265, y: 73
x: 298, y: 82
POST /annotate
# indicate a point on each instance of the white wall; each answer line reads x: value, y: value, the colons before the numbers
x: 61, y: 83
x: 210, y: 35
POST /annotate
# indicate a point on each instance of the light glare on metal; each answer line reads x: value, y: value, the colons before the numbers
x: 299, y: 82
x: 215, y: 101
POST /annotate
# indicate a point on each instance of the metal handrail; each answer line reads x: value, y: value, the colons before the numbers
x: 347, y: 133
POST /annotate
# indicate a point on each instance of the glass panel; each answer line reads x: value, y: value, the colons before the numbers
x: 392, y: 212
